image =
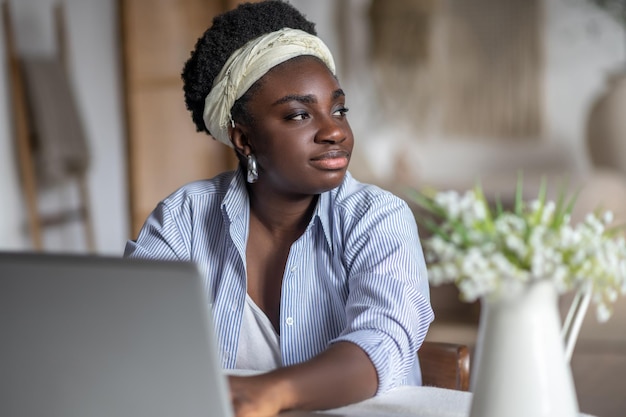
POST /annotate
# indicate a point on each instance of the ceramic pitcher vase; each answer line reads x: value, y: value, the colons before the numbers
x: 520, y: 369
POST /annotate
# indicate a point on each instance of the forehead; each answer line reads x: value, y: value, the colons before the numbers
x: 298, y: 75
x: 299, y: 62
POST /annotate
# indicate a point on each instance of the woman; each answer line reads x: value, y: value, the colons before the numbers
x: 315, y: 279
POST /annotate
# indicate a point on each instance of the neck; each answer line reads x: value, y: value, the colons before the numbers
x: 282, y: 216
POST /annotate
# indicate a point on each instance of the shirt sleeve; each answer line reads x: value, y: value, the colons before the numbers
x: 388, y: 308
x: 159, y: 238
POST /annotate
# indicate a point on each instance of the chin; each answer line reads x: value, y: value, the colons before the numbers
x: 333, y: 181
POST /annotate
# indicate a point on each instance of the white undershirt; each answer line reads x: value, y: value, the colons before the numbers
x: 259, y: 344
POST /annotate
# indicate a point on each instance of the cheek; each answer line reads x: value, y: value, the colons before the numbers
x: 278, y: 146
x: 287, y: 157
x: 286, y: 164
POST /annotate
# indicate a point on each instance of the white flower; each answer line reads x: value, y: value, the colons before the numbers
x: 450, y: 270
x: 449, y: 201
x: 603, y: 313
x: 483, y: 250
x: 516, y: 245
x: 479, y: 210
x: 436, y: 275
x: 594, y: 223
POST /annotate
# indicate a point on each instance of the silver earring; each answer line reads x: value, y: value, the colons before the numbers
x: 253, y: 172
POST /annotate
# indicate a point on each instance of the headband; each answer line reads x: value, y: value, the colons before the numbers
x: 247, y: 65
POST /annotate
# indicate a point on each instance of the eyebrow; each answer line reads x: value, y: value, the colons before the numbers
x: 306, y: 99
x: 338, y: 93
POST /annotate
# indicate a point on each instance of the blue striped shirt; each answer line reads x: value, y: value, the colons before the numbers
x: 356, y: 274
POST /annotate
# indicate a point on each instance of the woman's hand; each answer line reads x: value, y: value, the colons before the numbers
x: 341, y: 375
x: 257, y: 396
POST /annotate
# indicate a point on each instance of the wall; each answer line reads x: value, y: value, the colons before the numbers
x: 582, y: 44
x: 94, y: 58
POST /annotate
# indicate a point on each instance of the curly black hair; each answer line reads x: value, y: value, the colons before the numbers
x: 229, y: 32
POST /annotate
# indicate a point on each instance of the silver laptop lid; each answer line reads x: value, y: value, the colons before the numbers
x: 94, y: 336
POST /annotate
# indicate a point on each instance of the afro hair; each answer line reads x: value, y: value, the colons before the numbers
x: 229, y: 32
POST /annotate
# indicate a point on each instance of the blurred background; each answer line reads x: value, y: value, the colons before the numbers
x: 94, y: 130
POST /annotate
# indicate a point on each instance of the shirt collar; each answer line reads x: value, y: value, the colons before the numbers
x: 322, y: 212
x: 236, y: 206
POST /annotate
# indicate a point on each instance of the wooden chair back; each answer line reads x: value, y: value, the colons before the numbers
x: 445, y: 365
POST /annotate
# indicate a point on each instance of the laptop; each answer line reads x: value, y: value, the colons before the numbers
x: 100, y: 336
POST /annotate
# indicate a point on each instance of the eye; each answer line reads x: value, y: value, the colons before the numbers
x: 298, y: 116
x: 341, y: 112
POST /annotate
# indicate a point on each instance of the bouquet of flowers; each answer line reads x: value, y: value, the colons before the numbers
x: 484, y: 248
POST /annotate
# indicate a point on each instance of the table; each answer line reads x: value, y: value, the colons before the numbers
x: 404, y: 401
x: 410, y: 401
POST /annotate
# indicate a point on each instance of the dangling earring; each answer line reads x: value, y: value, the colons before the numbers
x: 253, y: 172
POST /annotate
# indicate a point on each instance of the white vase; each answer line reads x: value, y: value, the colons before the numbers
x: 519, y: 367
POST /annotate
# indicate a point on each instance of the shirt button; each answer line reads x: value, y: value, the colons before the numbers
x: 293, y: 268
x: 289, y: 321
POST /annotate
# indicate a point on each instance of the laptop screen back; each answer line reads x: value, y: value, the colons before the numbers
x: 93, y: 336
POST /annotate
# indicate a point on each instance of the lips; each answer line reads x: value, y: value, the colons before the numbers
x: 332, y: 160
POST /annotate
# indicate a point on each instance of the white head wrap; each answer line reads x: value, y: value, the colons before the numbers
x: 248, y: 64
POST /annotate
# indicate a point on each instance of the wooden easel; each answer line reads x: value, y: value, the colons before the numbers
x: 24, y: 135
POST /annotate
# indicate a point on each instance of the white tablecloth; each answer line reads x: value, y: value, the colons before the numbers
x: 411, y: 402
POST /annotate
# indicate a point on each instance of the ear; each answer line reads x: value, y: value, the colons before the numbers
x: 239, y: 139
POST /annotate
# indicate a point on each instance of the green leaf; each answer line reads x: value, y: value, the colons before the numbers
x: 543, y: 190
x: 615, y: 231
x: 461, y: 230
x: 570, y: 205
x: 541, y: 197
x: 519, y: 204
x: 559, y: 211
x: 434, y: 227
x: 564, y: 208
x: 428, y: 204
x: 499, y: 209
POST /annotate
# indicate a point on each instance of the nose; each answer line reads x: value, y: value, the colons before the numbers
x: 331, y: 131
